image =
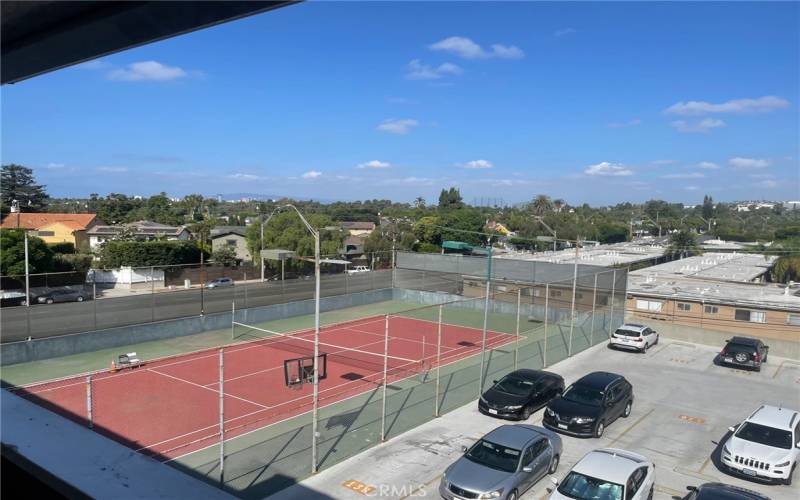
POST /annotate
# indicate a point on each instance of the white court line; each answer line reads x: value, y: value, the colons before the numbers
x: 207, y: 388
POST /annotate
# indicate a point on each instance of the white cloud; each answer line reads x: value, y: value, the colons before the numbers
x: 419, y: 71
x: 565, y: 31
x: 94, y: 64
x: 763, y: 104
x: 375, y: 164
x: 112, y: 170
x: 476, y: 164
x: 465, y: 48
x: 740, y: 162
x: 400, y: 127
x: 608, y: 169
x: 629, y: 123
x: 692, y: 175
x: 312, y: 174
x: 147, y: 71
x: 243, y: 177
x: 707, y: 165
x: 702, y: 126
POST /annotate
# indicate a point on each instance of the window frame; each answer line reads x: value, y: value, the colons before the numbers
x: 684, y: 306
x: 710, y: 309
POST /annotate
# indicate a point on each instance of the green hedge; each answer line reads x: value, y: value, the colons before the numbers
x: 64, y: 247
x: 148, y: 253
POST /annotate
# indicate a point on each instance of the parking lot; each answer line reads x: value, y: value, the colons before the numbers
x: 683, y: 407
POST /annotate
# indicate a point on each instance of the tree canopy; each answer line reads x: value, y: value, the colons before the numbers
x: 17, y: 183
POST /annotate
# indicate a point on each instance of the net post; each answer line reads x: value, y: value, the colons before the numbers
x: 516, y: 339
x: 438, y: 361
x: 546, y: 316
x: 385, y: 370
x: 221, y: 416
x: 613, y: 289
x: 594, y: 302
x: 89, y: 416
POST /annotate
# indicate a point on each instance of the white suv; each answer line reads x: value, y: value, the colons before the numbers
x: 765, y: 446
x: 610, y: 474
x: 633, y: 336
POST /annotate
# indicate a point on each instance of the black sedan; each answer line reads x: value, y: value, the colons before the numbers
x: 63, y: 295
x: 720, y: 491
x: 589, y: 405
x: 520, y: 393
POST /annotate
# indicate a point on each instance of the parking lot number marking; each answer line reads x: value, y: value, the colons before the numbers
x: 681, y: 361
x: 358, y: 486
x: 691, y: 419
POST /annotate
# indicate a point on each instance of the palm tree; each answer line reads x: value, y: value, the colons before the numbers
x: 419, y: 202
x: 559, y: 204
x: 683, y: 244
x: 541, y: 204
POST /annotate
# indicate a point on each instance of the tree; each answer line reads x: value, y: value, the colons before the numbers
x: 450, y: 199
x: 683, y: 244
x: 117, y: 253
x: 419, y: 202
x: 12, y: 258
x: 225, y: 256
x: 541, y: 204
x: 17, y: 183
x: 708, y: 207
x: 428, y: 230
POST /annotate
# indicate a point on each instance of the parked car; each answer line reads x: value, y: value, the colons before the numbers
x: 10, y: 299
x: 632, y: 336
x: 503, y: 464
x: 744, y: 351
x: 608, y: 474
x: 520, y: 393
x: 766, y: 446
x: 62, y: 295
x: 358, y: 269
x: 590, y: 404
x: 721, y: 491
x: 219, y: 283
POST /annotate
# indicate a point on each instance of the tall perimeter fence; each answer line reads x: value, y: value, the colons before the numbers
x: 237, y: 424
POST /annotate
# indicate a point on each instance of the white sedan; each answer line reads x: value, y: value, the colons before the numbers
x: 610, y: 474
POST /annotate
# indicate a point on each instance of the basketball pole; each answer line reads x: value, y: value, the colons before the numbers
x: 385, y: 370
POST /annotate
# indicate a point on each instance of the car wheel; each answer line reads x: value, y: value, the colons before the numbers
x: 627, y: 411
x: 553, y: 465
x: 765, y: 358
x: 526, y: 413
x: 656, y: 342
x: 646, y: 347
x: 788, y: 480
x: 79, y: 299
x: 598, y: 430
x: 49, y: 301
x: 650, y: 495
x: 512, y: 495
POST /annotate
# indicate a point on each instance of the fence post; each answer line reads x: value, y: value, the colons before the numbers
x: 94, y: 301
x: 89, y: 416
x: 516, y: 340
x: 594, y: 301
x: 483, y: 333
x: 572, y: 307
x: 438, y: 361
x: 245, y: 294
x: 613, y: 290
x: 546, y: 315
x: 221, y: 416
x: 385, y: 370
x: 233, y: 320
x: 152, y: 294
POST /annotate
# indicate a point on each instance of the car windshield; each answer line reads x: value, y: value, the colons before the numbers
x: 584, y: 395
x: 515, y: 386
x: 582, y: 487
x: 627, y: 333
x: 494, y: 456
x: 762, y: 434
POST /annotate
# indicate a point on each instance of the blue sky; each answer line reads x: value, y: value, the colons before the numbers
x: 597, y: 103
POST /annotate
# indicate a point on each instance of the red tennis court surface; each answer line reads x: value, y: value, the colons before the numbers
x: 170, y: 407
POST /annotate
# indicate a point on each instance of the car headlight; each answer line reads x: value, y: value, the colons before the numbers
x: 783, y: 464
x: 550, y: 413
x: 493, y: 494
x: 513, y: 407
x: 583, y: 420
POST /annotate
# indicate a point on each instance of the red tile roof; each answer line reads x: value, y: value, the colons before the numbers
x: 76, y: 222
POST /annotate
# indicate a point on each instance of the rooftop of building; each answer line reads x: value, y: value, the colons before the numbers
x: 31, y: 220
x: 731, y: 267
x: 145, y: 227
x: 615, y: 254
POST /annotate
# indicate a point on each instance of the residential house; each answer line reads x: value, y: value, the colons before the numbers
x: 231, y: 237
x: 141, y: 230
x: 66, y: 228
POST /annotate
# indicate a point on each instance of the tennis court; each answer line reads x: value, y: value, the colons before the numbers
x: 170, y: 407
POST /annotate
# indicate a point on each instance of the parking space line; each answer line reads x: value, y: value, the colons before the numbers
x: 632, y: 426
x: 785, y: 361
x: 694, y: 474
x: 668, y: 491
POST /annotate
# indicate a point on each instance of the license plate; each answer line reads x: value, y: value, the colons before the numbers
x: 728, y: 360
x: 493, y: 412
x: 749, y: 472
x: 562, y: 426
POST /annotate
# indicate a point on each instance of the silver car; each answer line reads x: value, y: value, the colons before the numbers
x: 219, y: 283
x: 503, y: 464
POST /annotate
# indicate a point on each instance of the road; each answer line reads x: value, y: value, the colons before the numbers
x: 61, y: 319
